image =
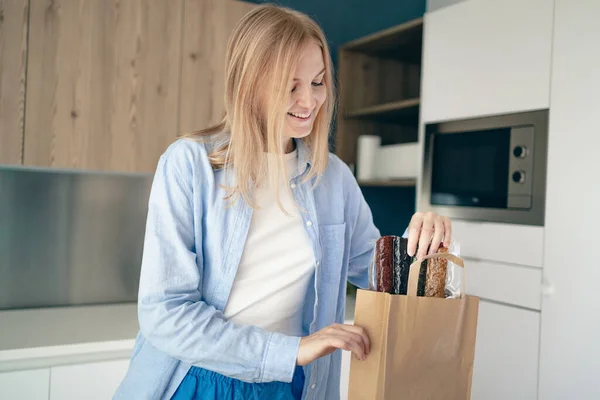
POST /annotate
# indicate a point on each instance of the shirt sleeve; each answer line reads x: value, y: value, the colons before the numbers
x: 172, y: 315
x: 364, y: 233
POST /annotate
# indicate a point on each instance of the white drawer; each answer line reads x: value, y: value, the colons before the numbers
x: 506, y: 353
x: 513, y: 244
x: 505, y: 283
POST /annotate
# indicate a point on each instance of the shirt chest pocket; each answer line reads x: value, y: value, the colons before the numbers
x: 332, y: 239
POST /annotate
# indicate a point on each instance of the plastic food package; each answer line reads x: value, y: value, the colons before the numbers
x: 390, y: 268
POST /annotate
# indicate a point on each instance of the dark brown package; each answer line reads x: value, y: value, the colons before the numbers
x: 384, y: 260
x: 392, y: 264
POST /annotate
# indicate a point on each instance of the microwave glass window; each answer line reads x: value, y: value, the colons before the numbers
x: 471, y: 168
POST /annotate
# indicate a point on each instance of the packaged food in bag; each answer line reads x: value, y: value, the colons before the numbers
x: 389, y: 270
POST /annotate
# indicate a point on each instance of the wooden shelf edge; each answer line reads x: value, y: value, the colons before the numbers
x: 375, y: 37
x: 409, y: 182
x: 378, y: 109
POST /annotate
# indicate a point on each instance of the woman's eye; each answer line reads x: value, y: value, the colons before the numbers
x: 317, y: 83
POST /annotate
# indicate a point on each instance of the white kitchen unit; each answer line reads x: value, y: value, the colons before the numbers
x: 30, y: 385
x: 508, y: 243
x: 570, y: 345
x: 506, y: 353
x: 483, y: 57
x: 537, y: 338
x: 505, y: 283
x: 503, y: 267
x: 93, y: 381
x: 65, y: 353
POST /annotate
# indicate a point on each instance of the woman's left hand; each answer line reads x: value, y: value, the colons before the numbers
x: 428, y: 231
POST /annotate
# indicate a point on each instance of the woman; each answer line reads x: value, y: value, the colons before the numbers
x: 253, y: 231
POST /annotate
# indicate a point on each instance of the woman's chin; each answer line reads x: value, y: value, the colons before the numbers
x: 298, y: 133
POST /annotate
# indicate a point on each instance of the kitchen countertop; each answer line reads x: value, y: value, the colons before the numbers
x: 41, y: 338
x: 38, y: 338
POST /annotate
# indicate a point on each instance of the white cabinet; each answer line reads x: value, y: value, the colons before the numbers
x: 504, y: 283
x: 507, y: 243
x: 345, y: 374
x: 506, y: 353
x: 570, y: 348
x: 483, y: 57
x: 93, y: 381
x: 30, y: 385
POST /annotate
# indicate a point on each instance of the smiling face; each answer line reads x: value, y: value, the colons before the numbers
x: 308, y: 93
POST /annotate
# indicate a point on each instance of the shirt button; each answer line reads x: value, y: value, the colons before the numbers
x: 318, y: 263
x: 293, y: 186
x: 314, y: 385
x: 308, y: 223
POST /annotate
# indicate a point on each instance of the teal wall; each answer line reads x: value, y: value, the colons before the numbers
x: 346, y: 20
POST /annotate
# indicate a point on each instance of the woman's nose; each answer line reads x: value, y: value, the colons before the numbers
x: 305, y: 97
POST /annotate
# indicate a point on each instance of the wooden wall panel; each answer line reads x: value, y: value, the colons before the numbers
x: 103, y: 83
x: 13, y: 58
x: 206, y: 28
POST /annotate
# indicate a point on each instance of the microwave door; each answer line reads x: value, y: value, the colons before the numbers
x: 470, y: 169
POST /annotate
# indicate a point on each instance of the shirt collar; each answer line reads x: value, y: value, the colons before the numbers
x: 304, y: 162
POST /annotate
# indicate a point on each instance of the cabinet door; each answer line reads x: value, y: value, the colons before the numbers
x: 207, y: 25
x: 570, y: 349
x: 13, y: 55
x: 506, y: 353
x: 30, y: 385
x: 93, y: 381
x: 102, y: 83
x: 486, y: 57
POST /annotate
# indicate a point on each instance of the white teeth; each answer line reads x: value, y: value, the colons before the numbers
x: 300, y: 115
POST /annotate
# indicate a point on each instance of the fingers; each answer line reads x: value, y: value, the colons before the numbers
x: 354, y: 337
x: 350, y: 342
x: 362, y: 333
x: 345, y: 340
x: 438, y: 234
x: 426, y: 235
x: 414, y: 231
x: 426, y: 232
x: 447, y: 232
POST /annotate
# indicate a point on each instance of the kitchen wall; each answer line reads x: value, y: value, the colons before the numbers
x: 346, y: 20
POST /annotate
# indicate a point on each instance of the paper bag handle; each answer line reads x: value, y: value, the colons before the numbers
x: 415, y: 268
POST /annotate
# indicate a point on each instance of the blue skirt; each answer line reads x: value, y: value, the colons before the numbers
x: 201, y: 384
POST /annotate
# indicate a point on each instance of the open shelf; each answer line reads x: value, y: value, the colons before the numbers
x: 397, y: 111
x: 402, y: 42
x: 388, y: 182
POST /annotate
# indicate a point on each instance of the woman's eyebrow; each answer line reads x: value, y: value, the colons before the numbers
x: 323, y: 70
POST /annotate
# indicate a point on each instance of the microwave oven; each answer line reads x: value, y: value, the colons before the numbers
x: 487, y: 169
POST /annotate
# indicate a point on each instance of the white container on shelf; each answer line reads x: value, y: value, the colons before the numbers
x: 367, y: 153
x: 397, y: 161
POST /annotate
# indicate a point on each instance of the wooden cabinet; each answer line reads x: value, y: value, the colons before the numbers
x: 93, y: 381
x: 102, y: 83
x: 483, y: 57
x: 506, y: 353
x: 110, y: 85
x: 207, y: 25
x: 13, y: 56
x: 380, y: 79
x: 30, y: 385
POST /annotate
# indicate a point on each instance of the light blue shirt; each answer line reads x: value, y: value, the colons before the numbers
x: 192, y: 249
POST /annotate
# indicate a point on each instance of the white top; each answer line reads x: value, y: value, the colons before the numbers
x: 277, y: 264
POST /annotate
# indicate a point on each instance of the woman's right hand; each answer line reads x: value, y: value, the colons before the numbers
x: 331, y: 338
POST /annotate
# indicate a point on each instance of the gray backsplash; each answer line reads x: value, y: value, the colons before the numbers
x: 70, y: 237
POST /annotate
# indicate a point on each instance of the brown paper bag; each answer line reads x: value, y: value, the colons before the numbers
x: 421, y: 347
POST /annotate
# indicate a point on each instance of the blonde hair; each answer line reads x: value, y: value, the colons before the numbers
x: 262, y: 54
